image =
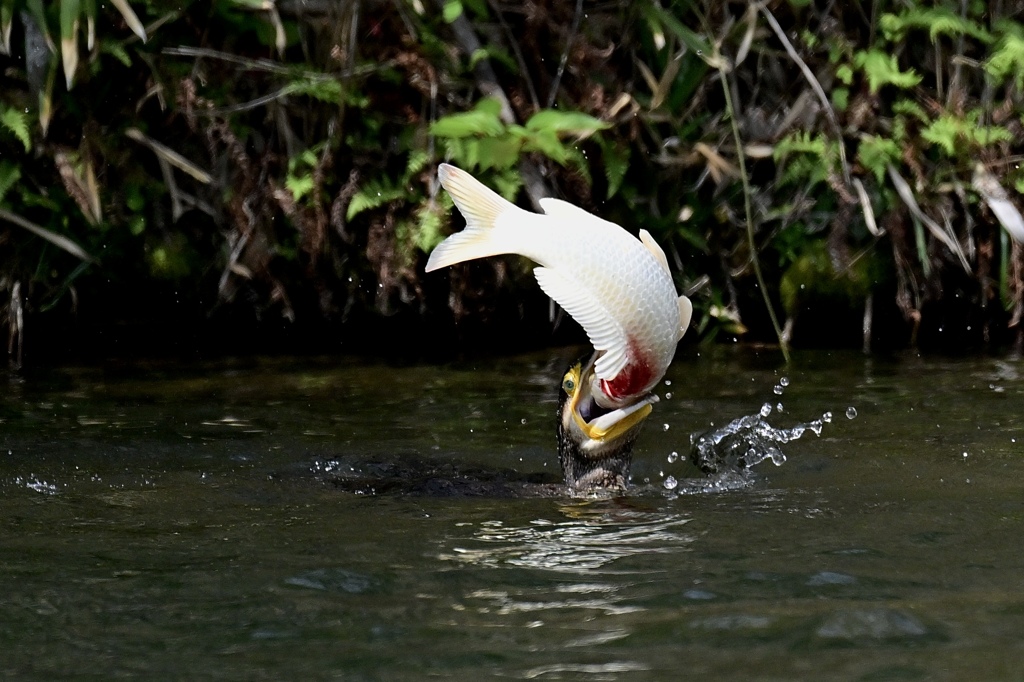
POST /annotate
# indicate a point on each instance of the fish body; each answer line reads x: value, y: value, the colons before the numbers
x: 616, y: 286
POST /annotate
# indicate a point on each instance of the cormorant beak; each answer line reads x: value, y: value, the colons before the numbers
x: 595, y: 444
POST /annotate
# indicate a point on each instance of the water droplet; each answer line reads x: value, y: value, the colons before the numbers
x: 672, y: 457
x: 665, y: 427
x: 851, y: 412
x: 670, y: 483
x: 668, y: 396
x: 827, y: 417
x: 523, y: 421
x: 668, y: 382
x: 966, y: 455
x: 778, y: 408
x: 777, y: 390
x: 784, y: 381
x: 766, y: 409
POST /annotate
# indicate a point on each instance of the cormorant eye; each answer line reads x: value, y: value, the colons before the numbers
x: 568, y: 384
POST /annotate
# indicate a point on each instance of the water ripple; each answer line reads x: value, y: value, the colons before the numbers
x: 577, y: 545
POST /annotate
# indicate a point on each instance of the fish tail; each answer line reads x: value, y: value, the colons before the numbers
x: 482, y: 208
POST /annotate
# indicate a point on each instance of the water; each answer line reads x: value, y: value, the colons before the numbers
x: 333, y: 519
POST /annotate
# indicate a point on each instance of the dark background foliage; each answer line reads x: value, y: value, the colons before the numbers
x: 260, y: 176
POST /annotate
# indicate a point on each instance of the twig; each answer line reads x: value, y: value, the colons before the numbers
x: 553, y: 93
x: 907, y: 196
x: 264, y: 64
x: 52, y: 237
x: 741, y: 159
x: 815, y: 85
x: 170, y: 156
x: 514, y: 44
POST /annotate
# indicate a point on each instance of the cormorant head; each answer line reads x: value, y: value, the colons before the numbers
x: 595, y: 445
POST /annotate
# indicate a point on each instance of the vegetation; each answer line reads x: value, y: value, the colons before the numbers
x: 265, y: 165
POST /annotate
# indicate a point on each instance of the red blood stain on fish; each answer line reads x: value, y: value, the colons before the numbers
x: 634, y: 377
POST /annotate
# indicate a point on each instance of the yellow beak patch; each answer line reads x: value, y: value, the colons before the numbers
x: 573, y: 385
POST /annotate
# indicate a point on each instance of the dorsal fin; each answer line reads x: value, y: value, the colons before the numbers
x: 563, y: 209
x: 656, y: 251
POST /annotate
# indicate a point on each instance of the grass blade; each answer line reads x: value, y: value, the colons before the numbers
x: 57, y: 240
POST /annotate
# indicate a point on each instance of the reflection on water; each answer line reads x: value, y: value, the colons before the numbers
x: 584, y: 543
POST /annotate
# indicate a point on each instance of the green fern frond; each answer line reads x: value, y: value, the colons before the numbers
x: 949, y: 129
x: 910, y: 108
x: 1008, y: 54
x: 805, y: 158
x: 16, y: 122
x: 372, y: 195
x: 937, y: 21
x: 9, y: 176
x: 881, y: 69
x: 876, y: 153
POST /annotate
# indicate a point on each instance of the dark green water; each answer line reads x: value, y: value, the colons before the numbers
x: 334, y: 520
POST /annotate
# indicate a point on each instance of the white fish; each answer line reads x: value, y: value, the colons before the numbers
x: 616, y: 286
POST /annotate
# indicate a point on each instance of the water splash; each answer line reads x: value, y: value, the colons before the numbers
x: 748, y: 441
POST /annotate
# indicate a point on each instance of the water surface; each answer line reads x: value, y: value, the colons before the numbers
x: 337, y: 519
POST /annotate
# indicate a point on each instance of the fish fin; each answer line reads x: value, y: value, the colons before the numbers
x: 685, y: 313
x: 563, y: 210
x: 482, y: 207
x: 656, y: 251
x: 604, y: 331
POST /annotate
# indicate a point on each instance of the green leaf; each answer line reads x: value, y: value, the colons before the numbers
x: 565, y: 122
x: 431, y: 218
x: 10, y: 173
x: 1008, y: 55
x: 936, y: 20
x: 579, y: 161
x: 656, y: 15
x: 840, y: 98
x: 130, y: 18
x: 70, y: 12
x: 89, y: 12
x: 6, y: 23
x: 508, y: 184
x: 616, y: 163
x: 844, y: 74
x: 547, y: 143
x: 948, y: 129
x: 451, y: 11
x: 418, y: 159
x: 372, y: 195
x: 482, y: 121
x: 876, y: 153
x: 910, y: 108
x: 498, y: 152
x: 299, y: 185
x: 17, y: 122
x: 881, y: 69
x: 805, y: 158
